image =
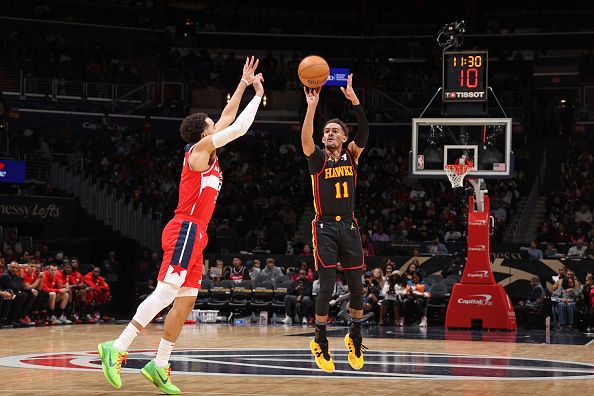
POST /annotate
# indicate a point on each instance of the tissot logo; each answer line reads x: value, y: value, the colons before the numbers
x: 477, y: 299
x: 477, y: 248
x: 465, y: 95
x: 477, y: 222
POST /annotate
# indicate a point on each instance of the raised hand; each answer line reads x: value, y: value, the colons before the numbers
x: 312, y: 96
x: 349, y: 92
x: 249, y: 69
x: 258, y: 80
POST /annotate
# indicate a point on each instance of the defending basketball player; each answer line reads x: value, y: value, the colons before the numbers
x: 184, y: 237
x: 335, y: 232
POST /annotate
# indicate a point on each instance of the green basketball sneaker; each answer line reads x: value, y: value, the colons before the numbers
x: 161, y: 377
x: 111, y: 361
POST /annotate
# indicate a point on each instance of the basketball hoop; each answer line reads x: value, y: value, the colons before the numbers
x: 456, y: 173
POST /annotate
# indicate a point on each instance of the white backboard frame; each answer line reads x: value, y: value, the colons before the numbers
x: 475, y: 173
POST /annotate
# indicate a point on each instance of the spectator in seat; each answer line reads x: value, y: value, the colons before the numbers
x: 561, y: 236
x: 254, y: 269
x: 417, y: 192
x: 388, y: 266
x: 144, y: 289
x: 238, y: 271
x: 110, y: 266
x: 32, y: 281
x: 533, y: 251
x: 23, y: 297
x: 576, y: 283
x: 303, y: 266
x: 377, y: 278
x: 57, y: 295
x: 558, y: 279
x: 566, y: 297
x: 394, y: 289
x: 98, y: 291
x: 551, y: 251
x: 74, y: 280
x: 534, y: 301
x: 413, y: 269
x: 368, y: 249
x: 298, y: 299
x: 271, y: 271
x: 416, y: 299
x: 584, y: 216
x: 306, y: 250
x: 437, y: 248
x: 373, y: 284
x: 577, y: 250
x: 499, y: 213
x: 380, y: 235
x: 453, y: 233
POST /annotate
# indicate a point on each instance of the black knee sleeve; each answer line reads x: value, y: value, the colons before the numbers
x: 327, y: 278
x: 355, y: 283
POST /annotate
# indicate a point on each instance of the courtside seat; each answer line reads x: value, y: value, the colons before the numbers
x: 220, y: 296
x: 263, y: 296
x: 437, y: 304
x: 241, y: 297
x: 203, y: 294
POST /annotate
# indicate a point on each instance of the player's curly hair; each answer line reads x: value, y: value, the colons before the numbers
x: 342, y: 124
x: 192, y: 127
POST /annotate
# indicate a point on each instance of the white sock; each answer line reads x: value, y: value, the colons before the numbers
x: 163, y: 353
x: 125, y: 339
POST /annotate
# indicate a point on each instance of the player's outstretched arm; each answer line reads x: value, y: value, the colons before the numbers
x: 362, y: 135
x: 200, y: 155
x: 247, y: 78
x: 312, y: 97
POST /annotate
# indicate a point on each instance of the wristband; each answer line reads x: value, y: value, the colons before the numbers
x: 245, y: 81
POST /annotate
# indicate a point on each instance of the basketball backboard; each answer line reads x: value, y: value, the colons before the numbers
x: 440, y: 141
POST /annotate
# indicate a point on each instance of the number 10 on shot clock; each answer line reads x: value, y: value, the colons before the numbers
x: 465, y: 76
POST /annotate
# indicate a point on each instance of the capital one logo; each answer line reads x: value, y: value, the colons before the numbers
x: 477, y: 248
x: 479, y: 300
x: 478, y: 274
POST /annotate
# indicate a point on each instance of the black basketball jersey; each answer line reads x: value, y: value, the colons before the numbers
x: 334, y: 183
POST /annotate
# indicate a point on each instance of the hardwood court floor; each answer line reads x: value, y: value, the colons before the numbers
x: 274, y: 360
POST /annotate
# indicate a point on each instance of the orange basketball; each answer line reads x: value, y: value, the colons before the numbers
x: 313, y: 71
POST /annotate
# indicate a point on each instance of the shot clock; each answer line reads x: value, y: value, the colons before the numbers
x: 465, y: 76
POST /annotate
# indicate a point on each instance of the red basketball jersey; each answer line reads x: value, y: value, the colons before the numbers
x: 198, y: 191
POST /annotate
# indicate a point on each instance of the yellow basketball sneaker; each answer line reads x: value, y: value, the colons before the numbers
x: 356, y: 349
x: 321, y: 352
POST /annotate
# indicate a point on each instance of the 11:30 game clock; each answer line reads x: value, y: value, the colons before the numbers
x: 465, y: 76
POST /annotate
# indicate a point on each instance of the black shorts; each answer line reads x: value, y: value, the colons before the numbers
x: 336, y: 239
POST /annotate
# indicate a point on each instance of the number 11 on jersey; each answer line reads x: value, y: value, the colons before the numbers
x: 345, y: 188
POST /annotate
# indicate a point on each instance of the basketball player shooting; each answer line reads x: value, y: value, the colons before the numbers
x: 184, y: 237
x: 335, y: 231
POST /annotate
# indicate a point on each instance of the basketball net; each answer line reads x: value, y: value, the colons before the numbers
x: 456, y: 173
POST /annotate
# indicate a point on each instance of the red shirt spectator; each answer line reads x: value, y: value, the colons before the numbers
x: 30, y: 275
x: 75, y: 278
x: 96, y: 282
x: 52, y: 281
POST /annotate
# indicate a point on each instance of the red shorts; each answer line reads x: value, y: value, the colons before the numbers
x: 183, y: 242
